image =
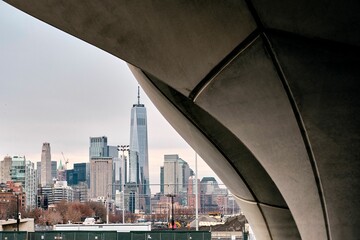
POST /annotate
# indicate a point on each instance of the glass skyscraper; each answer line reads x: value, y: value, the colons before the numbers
x: 138, y: 162
x: 98, y: 147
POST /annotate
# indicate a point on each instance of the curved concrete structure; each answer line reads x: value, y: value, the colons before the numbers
x: 267, y: 92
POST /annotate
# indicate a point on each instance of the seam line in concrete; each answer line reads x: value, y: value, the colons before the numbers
x: 302, y: 128
x: 214, y: 72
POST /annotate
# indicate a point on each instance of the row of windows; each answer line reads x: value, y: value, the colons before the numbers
x: 140, y: 121
x: 98, y: 140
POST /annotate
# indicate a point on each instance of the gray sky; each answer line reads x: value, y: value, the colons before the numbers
x: 58, y: 89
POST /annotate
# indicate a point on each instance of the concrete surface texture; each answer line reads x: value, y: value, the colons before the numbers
x: 265, y: 91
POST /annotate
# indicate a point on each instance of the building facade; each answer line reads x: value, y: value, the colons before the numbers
x: 54, y: 171
x: 81, y: 192
x: 191, y: 192
x: 212, y: 197
x: 101, y: 177
x: 62, y: 192
x: 23, y: 172
x: 98, y: 147
x: 162, y: 179
x: 5, y: 167
x: 30, y: 184
x: 176, y: 173
x: 11, y: 197
x: 46, y: 177
x: 38, y: 173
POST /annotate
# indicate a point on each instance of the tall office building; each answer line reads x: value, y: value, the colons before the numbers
x: 38, y: 173
x: 82, y: 170
x: 191, y: 192
x: 138, y: 162
x: 118, y: 178
x: 71, y: 177
x: 98, y: 147
x: 162, y: 179
x: 101, y: 177
x: 30, y: 184
x: 175, y: 174
x: 101, y: 167
x: 53, y: 171
x: 46, y: 165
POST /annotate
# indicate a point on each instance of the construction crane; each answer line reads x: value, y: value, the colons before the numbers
x: 65, y: 161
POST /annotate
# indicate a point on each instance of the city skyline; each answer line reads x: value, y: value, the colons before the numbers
x: 57, y: 89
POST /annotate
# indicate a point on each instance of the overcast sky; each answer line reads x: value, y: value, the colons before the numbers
x: 58, y: 89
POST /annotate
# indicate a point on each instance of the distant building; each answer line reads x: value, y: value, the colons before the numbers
x: 10, y: 193
x: 44, y: 197
x: 22, y: 171
x: 79, y: 174
x: 30, y: 185
x: 212, y: 197
x: 5, y: 167
x: 113, y: 151
x: 98, y: 147
x: 62, y: 192
x: 81, y: 192
x: 117, y: 175
x: 56, y: 193
x: 46, y: 176
x: 176, y: 173
x: 38, y: 173
x: 71, y: 177
x: 61, y: 172
x: 54, y: 171
x: 162, y: 179
x: 191, y: 192
x: 101, y: 169
x: 132, y: 201
x: 83, y: 171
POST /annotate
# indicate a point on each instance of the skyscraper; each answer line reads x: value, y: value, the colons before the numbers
x: 46, y: 165
x: 101, y: 177
x: 82, y: 170
x: 53, y: 171
x: 175, y: 174
x: 138, y: 162
x: 101, y: 167
x: 98, y: 147
x: 162, y: 179
x: 191, y: 193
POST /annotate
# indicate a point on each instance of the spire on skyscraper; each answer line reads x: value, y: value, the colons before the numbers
x: 138, y: 95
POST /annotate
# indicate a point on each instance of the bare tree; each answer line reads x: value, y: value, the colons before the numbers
x: 53, y: 217
x: 98, y: 208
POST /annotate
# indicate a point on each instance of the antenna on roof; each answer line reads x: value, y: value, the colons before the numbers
x: 138, y: 94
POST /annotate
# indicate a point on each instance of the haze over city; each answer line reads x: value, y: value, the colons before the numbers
x: 58, y: 89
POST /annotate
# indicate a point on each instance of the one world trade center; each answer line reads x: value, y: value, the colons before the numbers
x: 138, y: 162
